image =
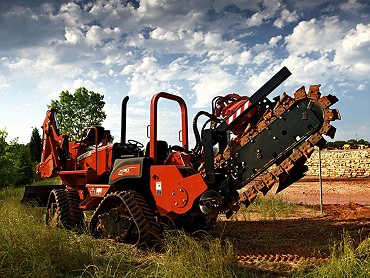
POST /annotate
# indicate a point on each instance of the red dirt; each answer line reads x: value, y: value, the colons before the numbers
x: 335, y: 191
x: 306, y: 232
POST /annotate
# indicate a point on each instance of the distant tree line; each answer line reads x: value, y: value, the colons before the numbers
x: 18, y: 161
x: 351, y: 142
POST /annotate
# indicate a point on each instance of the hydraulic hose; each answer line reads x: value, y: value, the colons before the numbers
x: 198, y: 146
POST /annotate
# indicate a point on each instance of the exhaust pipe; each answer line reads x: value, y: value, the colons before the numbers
x: 123, y: 119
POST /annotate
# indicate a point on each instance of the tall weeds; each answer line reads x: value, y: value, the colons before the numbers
x: 345, y: 261
x: 29, y: 248
x: 187, y: 256
x: 267, y: 208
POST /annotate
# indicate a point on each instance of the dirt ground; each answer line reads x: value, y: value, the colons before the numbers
x: 335, y: 191
x: 305, y: 233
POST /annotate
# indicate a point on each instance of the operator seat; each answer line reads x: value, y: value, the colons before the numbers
x: 162, y: 151
x: 89, y: 135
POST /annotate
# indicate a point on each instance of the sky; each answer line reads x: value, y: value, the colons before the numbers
x: 190, y: 48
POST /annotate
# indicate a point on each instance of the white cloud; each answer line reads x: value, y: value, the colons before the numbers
x: 196, y: 48
x: 353, y: 53
x: 263, y: 56
x: 117, y: 57
x: 241, y: 58
x: 211, y: 81
x: 315, y: 36
x: 274, y: 40
x: 136, y: 40
x: 351, y: 5
x: 70, y: 14
x: 93, y: 74
x: 343, y: 52
x: 268, y: 11
x: 308, y: 71
x: 362, y: 86
x: 73, y: 35
x: 4, y: 85
x: 165, y: 35
x: 147, y: 77
x: 286, y: 17
x: 96, y: 34
x: 19, y: 63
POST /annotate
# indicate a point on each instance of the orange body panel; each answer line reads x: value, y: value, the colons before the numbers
x: 99, y: 159
x: 172, y: 191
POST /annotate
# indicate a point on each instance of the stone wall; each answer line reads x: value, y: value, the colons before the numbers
x: 340, y: 163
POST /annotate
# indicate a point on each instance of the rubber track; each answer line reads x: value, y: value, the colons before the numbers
x: 141, y: 214
x: 62, y: 205
x: 76, y: 216
x: 70, y: 216
x: 293, y: 159
x: 278, y: 258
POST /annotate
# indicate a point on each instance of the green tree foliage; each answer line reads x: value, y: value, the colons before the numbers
x: 362, y: 142
x: 79, y: 110
x: 3, y: 157
x: 336, y: 144
x: 35, y: 145
x: 16, y: 167
x: 351, y: 142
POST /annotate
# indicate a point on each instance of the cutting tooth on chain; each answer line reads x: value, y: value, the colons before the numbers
x: 313, y: 92
x: 300, y: 94
x: 327, y: 101
x: 331, y: 115
x: 328, y: 130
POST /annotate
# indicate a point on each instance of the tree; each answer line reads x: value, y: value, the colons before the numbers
x: 35, y: 145
x: 363, y: 142
x: 16, y: 167
x: 4, y: 160
x: 336, y: 144
x: 22, y: 165
x: 79, y: 110
x: 352, y: 142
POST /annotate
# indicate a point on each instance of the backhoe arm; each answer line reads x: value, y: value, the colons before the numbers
x: 54, y: 147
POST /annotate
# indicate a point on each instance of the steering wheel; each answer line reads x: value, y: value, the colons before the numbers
x: 135, y: 144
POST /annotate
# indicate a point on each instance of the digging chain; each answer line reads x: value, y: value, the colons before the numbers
x: 298, y: 157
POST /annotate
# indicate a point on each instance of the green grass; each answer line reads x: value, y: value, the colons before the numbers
x: 55, y: 180
x: 266, y: 208
x: 187, y: 256
x: 345, y: 261
x: 29, y: 248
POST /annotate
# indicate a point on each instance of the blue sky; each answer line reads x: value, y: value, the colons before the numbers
x: 195, y: 49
